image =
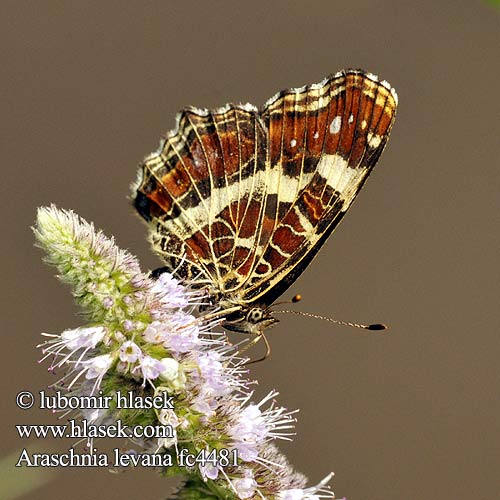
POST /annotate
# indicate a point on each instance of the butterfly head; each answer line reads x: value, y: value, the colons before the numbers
x: 253, y: 320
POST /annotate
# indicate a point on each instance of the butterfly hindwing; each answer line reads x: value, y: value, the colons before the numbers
x: 203, y: 189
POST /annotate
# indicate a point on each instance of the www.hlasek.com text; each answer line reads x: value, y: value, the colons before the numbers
x: 84, y: 430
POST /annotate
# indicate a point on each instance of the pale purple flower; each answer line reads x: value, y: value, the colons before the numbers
x: 208, y: 471
x: 127, y: 300
x: 184, y: 336
x: 249, y: 433
x: 108, y: 302
x: 149, y: 367
x: 245, y: 487
x: 213, y: 373
x: 178, y: 332
x: 128, y: 325
x: 205, y: 402
x: 251, y: 428
x: 82, y: 337
x: 252, y: 425
x: 292, y: 494
x: 321, y: 490
x: 94, y: 368
x: 155, y: 333
x: 172, y: 294
x: 130, y: 352
x: 211, y: 380
x: 98, y: 366
x: 168, y: 416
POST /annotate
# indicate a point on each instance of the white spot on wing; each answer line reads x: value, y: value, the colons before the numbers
x: 374, y: 140
x: 363, y: 124
x: 316, y: 135
x: 351, y: 118
x: 293, y: 143
x: 335, y: 125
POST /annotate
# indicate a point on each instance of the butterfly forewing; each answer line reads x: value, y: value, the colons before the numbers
x: 242, y: 200
x: 324, y: 141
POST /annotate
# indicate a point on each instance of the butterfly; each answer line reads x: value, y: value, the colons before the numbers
x: 240, y: 200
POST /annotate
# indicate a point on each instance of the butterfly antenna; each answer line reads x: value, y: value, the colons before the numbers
x: 296, y: 298
x: 374, y: 326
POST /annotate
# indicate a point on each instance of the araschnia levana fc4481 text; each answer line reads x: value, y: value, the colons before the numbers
x: 239, y: 200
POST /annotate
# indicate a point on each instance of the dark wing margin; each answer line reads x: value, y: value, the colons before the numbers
x: 324, y: 140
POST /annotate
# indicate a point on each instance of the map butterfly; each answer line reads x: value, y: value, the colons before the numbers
x: 240, y: 200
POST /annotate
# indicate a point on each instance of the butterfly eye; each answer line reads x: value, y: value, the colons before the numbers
x: 255, y: 315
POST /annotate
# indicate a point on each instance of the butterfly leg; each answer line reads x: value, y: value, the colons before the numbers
x: 252, y: 343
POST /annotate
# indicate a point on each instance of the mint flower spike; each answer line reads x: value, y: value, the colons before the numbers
x: 144, y: 338
x: 87, y: 260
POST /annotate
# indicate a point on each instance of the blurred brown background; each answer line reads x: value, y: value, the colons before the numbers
x: 88, y: 88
